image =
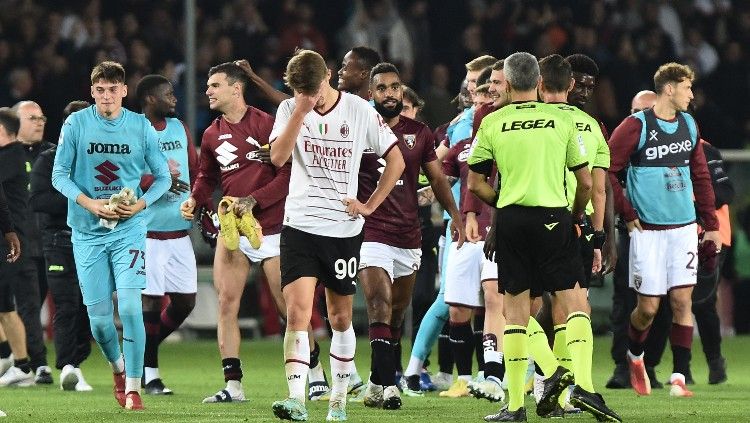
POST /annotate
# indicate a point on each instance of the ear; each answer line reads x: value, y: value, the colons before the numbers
x: 92, y: 91
x: 571, y: 85
x: 124, y: 90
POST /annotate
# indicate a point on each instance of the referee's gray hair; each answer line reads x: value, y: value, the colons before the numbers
x: 522, y: 71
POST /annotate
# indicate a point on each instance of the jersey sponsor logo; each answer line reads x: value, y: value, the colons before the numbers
x: 107, y: 173
x: 252, y: 141
x: 464, y: 155
x: 583, y: 127
x: 104, y: 148
x: 652, y: 135
x: 517, y: 125
x: 170, y: 145
x: 225, y: 153
x: 410, y: 140
x: 334, y: 158
x: 225, y: 136
x: 344, y: 130
x: 550, y: 226
x: 653, y: 153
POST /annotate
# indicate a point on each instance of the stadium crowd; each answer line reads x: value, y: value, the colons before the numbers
x: 273, y: 72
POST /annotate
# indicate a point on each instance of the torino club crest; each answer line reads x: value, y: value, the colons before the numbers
x: 344, y: 130
x: 410, y: 140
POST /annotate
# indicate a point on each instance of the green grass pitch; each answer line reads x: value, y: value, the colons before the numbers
x: 192, y: 369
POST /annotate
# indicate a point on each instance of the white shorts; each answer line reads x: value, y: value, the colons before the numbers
x: 397, y: 262
x: 466, y: 268
x: 268, y: 248
x: 170, y: 267
x: 663, y: 260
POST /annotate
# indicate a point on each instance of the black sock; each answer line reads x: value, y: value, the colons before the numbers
x: 383, y: 369
x: 232, y: 369
x: 396, y: 341
x: 491, y: 368
x: 445, y: 351
x: 176, y: 312
x: 478, y: 334
x: 538, y: 370
x: 151, y: 320
x: 462, y: 340
x: 4, y: 349
x: 23, y: 364
x: 315, y: 356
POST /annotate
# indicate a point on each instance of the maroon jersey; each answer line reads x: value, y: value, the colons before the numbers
x: 479, y: 114
x: 229, y: 155
x: 455, y: 165
x: 395, y: 222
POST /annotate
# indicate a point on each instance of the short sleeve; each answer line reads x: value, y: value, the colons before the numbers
x: 481, y: 148
x: 601, y: 159
x: 283, y: 113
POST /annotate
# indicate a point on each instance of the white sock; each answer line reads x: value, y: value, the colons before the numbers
x: 343, y: 345
x: 234, y: 387
x: 297, y: 362
x: 465, y: 377
x: 492, y: 356
x: 316, y: 373
x: 150, y: 373
x: 132, y: 384
x: 414, y: 366
x: 118, y: 366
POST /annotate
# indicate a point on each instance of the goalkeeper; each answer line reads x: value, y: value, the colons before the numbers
x: 103, y: 149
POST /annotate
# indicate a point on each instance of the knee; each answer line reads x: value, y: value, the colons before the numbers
x: 183, y: 303
x: 681, y: 307
x: 645, y: 312
x: 228, y: 302
x: 340, y: 320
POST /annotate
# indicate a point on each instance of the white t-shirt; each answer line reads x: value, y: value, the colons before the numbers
x: 325, y: 163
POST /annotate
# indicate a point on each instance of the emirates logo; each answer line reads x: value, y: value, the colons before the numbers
x: 107, y: 173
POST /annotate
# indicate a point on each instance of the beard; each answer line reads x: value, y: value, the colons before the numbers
x: 389, y: 113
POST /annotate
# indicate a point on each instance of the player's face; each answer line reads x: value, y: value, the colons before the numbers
x: 582, y: 90
x: 351, y: 74
x: 497, y: 88
x: 165, y: 100
x: 471, y: 81
x: 387, y: 93
x: 108, y: 97
x: 220, y: 93
x: 682, y: 95
x: 409, y: 109
x: 32, y: 122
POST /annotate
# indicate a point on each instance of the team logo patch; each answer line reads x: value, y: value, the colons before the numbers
x: 637, y: 281
x: 410, y: 140
x: 323, y: 128
x: 344, y: 130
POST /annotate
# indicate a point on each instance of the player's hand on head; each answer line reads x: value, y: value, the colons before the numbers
x: 304, y: 103
x: 355, y: 209
x: 125, y: 211
x: 14, y: 247
x: 186, y: 208
x: 245, y: 66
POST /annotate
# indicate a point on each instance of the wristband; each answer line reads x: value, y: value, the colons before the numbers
x: 598, y: 240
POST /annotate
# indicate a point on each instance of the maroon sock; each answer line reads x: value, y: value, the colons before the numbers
x: 637, y: 339
x: 681, y: 339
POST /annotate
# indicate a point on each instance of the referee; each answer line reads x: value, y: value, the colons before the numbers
x: 533, y: 145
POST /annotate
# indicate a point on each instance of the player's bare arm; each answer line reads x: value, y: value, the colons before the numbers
x: 478, y: 185
x: 281, y: 148
x: 609, y: 250
x: 443, y: 194
x: 394, y: 168
x: 583, y: 191
x: 270, y: 93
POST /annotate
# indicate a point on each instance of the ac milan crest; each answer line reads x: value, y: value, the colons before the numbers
x: 410, y: 140
x: 344, y: 130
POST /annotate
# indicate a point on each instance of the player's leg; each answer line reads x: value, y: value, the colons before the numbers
x: 343, y: 345
x: 16, y: 368
x: 623, y: 302
x: 709, y: 328
x: 494, y: 324
x: 157, y: 259
x: 403, y: 287
x: 26, y: 292
x: 6, y: 360
x: 97, y: 284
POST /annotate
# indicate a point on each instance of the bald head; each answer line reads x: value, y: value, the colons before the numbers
x: 645, y: 99
x: 32, y: 122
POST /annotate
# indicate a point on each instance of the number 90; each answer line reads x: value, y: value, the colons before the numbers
x: 345, y: 268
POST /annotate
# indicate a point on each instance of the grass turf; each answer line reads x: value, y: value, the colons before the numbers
x: 192, y: 369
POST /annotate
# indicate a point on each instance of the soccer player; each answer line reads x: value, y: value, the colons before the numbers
x: 170, y: 260
x: 413, y: 103
x: 70, y: 323
x: 102, y: 150
x: 16, y: 368
x: 535, y: 236
x: 354, y: 74
x: 229, y: 156
x: 665, y: 171
x: 390, y: 254
x: 326, y: 131
x: 557, y: 83
x: 31, y: 293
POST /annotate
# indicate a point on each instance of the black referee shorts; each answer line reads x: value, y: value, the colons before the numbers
x: 537, y: 250
x: 333, y: 261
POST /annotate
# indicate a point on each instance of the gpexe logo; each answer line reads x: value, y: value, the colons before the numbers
x: 658, y: 152
x: 107, y: 173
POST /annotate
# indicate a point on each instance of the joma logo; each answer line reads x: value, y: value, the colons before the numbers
x: 102, y: 148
